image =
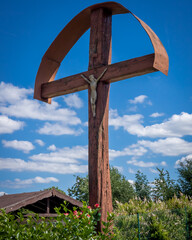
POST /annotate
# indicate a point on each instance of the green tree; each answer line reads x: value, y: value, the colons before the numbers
x: 185, y: 176
x: 122, y: 190
x: 80, y: 190
x: 142, y: 187
x: 164, y: 187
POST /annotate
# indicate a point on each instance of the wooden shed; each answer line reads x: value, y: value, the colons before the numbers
x: 41, y: 202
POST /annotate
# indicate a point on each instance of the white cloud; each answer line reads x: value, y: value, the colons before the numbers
x: 12, y: 94
x: 40, y: 111
x: 18, y: 183
x: 120, y: 169
x: 128, y: 122
x: 163, y: 163
x: 45, y: 180
x: 52, y: 147
x: 63, y: 155
x: 14, y: 164
x: 132, y: 182
x: 133, y: 150
x: 156, y: 114
x: 176, y: 126
x: 20, y: 105
x: 183, y: 159
x: 142, y: 163
x: 8, y: 125
x: 40, y: 142
x: 153, y: 170
x: 130, y: 170
x: 85, y: 124
x: 168, y: 146
x: 58, y: 129
x: 24, y: 146
x: 2, y: 193
x: 73, y: 100
x: 139, y: 99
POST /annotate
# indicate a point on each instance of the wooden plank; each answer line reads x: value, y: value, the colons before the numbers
x: 99, y: 172
x: 115, y: 72
x: 48, y: 205
x: 31, y: 200
x: 65, y: 41
x: 66, y: 198
x: 73, y: 31
x: 37, y: 207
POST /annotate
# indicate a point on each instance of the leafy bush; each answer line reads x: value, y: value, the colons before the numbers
x: 157, y: 221
x: 77, y: 225
x: 160, y: 220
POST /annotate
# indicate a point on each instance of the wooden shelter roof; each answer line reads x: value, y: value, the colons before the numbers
x: 13, y: 202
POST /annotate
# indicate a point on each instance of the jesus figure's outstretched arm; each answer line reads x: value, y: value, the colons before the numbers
x: 101, y: 74
x: 85, y: 78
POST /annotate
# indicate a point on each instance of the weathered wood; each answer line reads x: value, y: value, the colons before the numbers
x: 41, y: 209
x: 65, y: 41
x: 115, y: 72
x: 99, y: 172
x: 28, y: 201
x: 48, y: 205
x: 73, y: 31
x: 98, y: 18
x: 38, y: 196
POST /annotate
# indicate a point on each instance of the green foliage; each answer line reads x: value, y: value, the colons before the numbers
x: 71, y: 225
x: 142, y: 187
x: 138, y: 206
x: 158, y: 220
x: 189, y: 223
x: 185, y: 176
x: 164, y: 187
x: 156, y: 230
x: 80, y: 190
x: 161, y: 220
x: 122, y: 190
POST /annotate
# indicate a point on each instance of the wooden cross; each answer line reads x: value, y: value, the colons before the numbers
x: 98, y: 18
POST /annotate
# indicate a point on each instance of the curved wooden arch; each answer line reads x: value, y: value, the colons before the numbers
x: 73, y: 31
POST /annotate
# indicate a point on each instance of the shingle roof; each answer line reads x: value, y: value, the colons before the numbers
x: 13, y: 202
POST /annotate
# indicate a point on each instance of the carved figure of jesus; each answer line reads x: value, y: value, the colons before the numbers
x: 93, y: 85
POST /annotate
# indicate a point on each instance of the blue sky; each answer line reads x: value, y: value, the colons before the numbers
x: 150, y: 123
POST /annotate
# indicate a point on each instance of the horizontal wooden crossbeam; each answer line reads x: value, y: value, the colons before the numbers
x: 115, y: 72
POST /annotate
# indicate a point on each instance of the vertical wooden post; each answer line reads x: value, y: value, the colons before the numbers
x: 99, y: 172
x: 48, y: 205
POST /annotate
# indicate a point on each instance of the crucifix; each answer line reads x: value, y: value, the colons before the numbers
x: 97, y: 80
x: 93, y: 87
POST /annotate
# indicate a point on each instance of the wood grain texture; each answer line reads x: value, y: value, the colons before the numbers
x: 115, y: 72
x: 64, y: 42
x: 48, y: 205
x: 161, y: 61
x: 99, y: 172
x: 73, y: 31
x: 14, y: 202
